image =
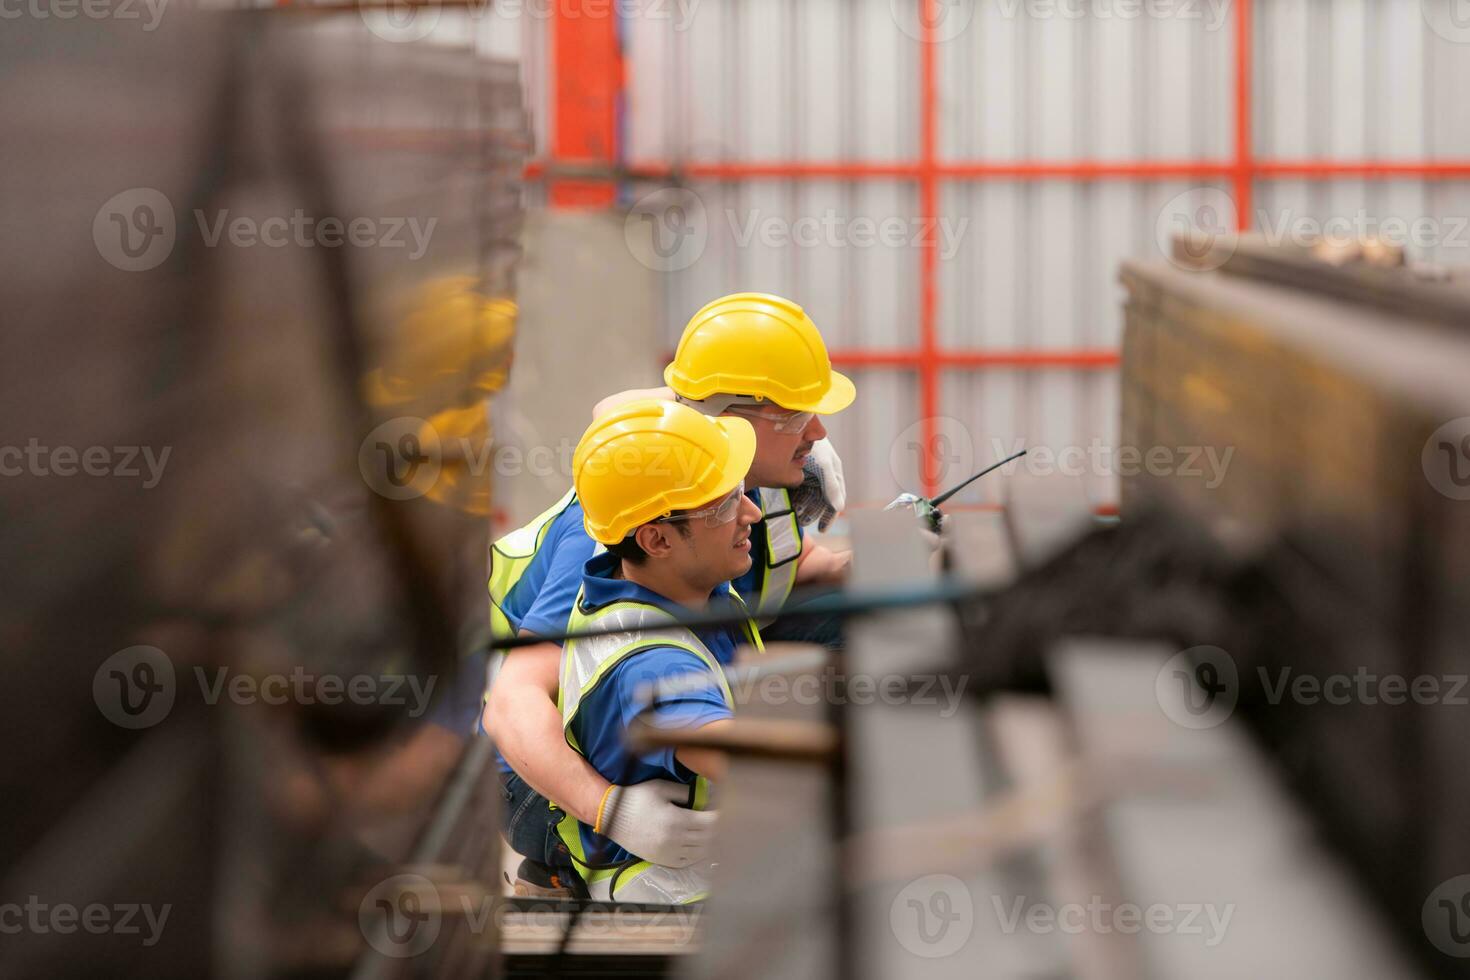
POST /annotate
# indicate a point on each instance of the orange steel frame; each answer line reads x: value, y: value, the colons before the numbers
x: 588, y: 96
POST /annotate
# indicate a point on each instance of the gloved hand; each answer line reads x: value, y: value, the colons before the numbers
x: 824, y: 491
x: 645, y: 820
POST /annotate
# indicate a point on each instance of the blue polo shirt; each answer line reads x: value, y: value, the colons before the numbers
x: 542, y: 600
x: 607, y: 711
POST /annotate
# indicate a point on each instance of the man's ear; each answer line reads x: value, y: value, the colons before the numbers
x: 655, y: 539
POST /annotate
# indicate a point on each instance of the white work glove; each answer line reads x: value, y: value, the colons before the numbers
x: 645, y: 820
x: 824, y: 491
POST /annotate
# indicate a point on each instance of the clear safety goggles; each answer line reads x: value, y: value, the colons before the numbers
x: 781, y: 419
x: 720, y: 512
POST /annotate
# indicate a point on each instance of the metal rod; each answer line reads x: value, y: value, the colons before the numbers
x: 841, y: 604
x: 960, y: 486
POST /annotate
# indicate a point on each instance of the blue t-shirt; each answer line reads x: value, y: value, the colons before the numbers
x: 606, y: 712
x: 542, y: 600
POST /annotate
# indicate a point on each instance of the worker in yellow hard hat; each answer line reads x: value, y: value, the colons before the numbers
x: 662, y: 489
x: 748, y: 355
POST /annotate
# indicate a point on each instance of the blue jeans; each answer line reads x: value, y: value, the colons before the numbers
x: 530, y: 824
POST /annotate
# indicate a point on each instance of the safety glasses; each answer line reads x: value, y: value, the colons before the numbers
x: 722, y: 511
x: 781, y: 420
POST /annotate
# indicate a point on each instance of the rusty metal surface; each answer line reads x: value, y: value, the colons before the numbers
x: 258, y: 545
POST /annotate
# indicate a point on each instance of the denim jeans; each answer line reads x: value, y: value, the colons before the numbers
x: 530, y: 823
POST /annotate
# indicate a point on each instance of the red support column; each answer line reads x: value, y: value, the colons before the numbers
x: 587, y: 73
x: 1244, y: 161
x: 929, y: 367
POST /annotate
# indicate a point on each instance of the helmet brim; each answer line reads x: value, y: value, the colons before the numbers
x: 839, y: 395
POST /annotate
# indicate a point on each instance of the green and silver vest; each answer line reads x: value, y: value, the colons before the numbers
x: 638, y: 626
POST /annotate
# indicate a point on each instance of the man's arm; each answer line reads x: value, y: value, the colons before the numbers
x: 522, y: 717
x: 709, y: 763
x: 632, y: 394
x: 820, y: 565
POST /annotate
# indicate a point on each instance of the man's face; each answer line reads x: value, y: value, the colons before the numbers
x: 779, y: 456
x: 708, y: 556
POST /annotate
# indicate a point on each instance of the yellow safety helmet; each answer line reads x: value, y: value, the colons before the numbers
x: 649, y: 458
x: 760, y: 346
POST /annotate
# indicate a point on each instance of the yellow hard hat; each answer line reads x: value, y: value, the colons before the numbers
x: 650, y: 458
x: 762, y: 346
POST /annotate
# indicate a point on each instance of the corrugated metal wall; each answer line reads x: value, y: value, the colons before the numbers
x: 1025, y: 263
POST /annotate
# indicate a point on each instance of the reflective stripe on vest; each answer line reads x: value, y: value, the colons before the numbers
x: 783, y: 548
x: 585, y: 662
x: 511, y: 555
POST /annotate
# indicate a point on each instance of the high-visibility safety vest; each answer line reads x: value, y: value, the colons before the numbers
x: 511, y: 555
x: 783, y: 548
x: 636, y: 626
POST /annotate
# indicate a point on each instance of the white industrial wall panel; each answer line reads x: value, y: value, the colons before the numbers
x: 772, y: 80
x: 860, y: 295
x: 1025, y: 264
x: 878, y: 437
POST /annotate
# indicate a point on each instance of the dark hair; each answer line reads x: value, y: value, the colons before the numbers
x: 630, y: 551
